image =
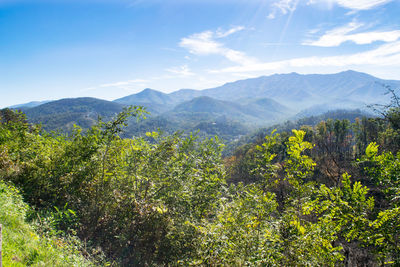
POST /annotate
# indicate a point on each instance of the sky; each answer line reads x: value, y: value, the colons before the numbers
x: 52, y: 49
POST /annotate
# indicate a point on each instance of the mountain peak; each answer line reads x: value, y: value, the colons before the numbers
x: 293, y: 74
x: 351, y: 72
x: 281, y: 74
x: 354, y: 73
x: 148, y: 95
x: 149, y: 90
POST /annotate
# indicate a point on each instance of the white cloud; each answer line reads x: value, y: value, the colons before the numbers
x: 117, y: 87
x: 283, y: 7
x: 181, y: 70
x: 222, y: 34
x: 384, y: 55
x: 340, y: 35
x: 353, y: 4
x: 201, y: 44
x: 124, y: 84
x: 361, y: 4
x: 205, y: 43
x: 287, y: 6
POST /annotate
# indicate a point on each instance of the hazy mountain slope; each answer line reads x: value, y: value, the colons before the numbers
x: 251, y: 111
x: 209, y: 105
x: 155, y: 102
x: 326, y: 107
x: 31, y: 104
x: 183, y: 95
x: 278, y: 86
x: 206, y: 108
x: 265, y: 108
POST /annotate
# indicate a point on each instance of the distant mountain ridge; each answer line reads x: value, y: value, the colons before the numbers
x: 256, y: 101
x: 31, y: 104
x: 348, y: 88
x: 287, y: 89
x: 305, y: 90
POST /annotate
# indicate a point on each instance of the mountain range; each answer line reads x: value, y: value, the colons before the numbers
x: 241, y: 104
x: 348, y: 89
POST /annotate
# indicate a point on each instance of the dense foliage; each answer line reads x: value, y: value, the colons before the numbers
x: 323, y: 195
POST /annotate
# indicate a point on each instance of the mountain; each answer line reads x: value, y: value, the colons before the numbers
x: 319, y: 109
x: 208, y: 105
x: 183, y: 95
x: 265, y: 109
x: 347, y: 89
x: 251, y: 111
x: 237, y: 106
x: 146, y: 96
x: 31, y: 104
x: 303, y: 91
x: 62, y: 114
x: 156, y: 102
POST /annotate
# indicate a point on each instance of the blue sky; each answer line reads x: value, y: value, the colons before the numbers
x: 52, y: 49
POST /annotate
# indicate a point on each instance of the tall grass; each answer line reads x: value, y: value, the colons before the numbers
x: 23, y: 246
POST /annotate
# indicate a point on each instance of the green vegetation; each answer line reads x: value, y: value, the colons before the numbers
x: 25, y: 246
x: 322, y: 195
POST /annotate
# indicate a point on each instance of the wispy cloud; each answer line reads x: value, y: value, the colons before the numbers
x: 283, y: 7
x: 124, y: 84
x: 343, y: 34
x: 353, y: 4
x: 127, y: 85
x: 361, y: 4
x: 206, y: 43
x: 183, y: 70
x: 221, y: 34
x: 288, y: 6
x: 385, y: 55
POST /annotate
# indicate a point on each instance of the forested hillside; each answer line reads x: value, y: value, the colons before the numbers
x: 316, y: 195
